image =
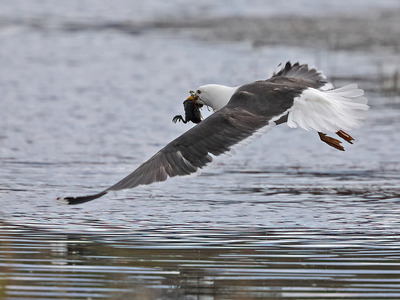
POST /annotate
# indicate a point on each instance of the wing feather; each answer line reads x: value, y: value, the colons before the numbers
x: 191, y: 151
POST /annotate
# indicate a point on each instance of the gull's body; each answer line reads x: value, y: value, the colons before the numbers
x: 296, y: 94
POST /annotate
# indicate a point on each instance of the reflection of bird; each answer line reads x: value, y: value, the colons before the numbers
x: 295, y: 94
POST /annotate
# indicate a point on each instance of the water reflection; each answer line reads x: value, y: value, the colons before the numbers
x: 257, y: 263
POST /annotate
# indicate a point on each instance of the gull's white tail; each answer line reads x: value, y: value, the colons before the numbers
x: 329, y: 111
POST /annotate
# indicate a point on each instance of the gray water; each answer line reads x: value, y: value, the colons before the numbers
x: 88, y: 92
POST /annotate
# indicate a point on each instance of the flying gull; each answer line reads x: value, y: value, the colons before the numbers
x: 296, y: 94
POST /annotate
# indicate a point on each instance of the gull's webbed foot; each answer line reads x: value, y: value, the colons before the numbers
x: 347, y: 137
x: 331, y: 141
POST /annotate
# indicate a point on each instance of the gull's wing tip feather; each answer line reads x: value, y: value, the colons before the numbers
x: 81, y: 199
x: 298, y: 70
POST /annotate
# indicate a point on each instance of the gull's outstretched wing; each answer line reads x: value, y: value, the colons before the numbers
x: 191, y: 151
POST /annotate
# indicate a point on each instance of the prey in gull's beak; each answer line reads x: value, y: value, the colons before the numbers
x: 192, y: 110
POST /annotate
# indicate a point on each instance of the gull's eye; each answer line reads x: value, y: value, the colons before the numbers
x: 198, y: 92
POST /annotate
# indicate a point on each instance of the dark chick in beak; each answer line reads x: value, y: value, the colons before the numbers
x: 192, y: 111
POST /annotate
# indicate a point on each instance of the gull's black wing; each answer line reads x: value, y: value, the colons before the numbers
x: 190, y: 151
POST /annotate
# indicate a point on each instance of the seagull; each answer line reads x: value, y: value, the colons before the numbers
x: 295, y: 94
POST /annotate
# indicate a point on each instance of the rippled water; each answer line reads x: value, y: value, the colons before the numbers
x: 195, y: 262
x: 86, y: 97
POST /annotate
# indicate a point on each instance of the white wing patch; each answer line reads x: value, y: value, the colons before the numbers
x: 329, y: 110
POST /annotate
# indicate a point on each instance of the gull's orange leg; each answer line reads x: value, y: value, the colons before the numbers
x: 347, y: 137
x: 331, y: 141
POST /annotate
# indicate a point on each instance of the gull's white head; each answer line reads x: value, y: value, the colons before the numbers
x: 214, y: 95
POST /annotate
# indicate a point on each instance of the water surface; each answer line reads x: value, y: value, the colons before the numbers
x: 87, y: 97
